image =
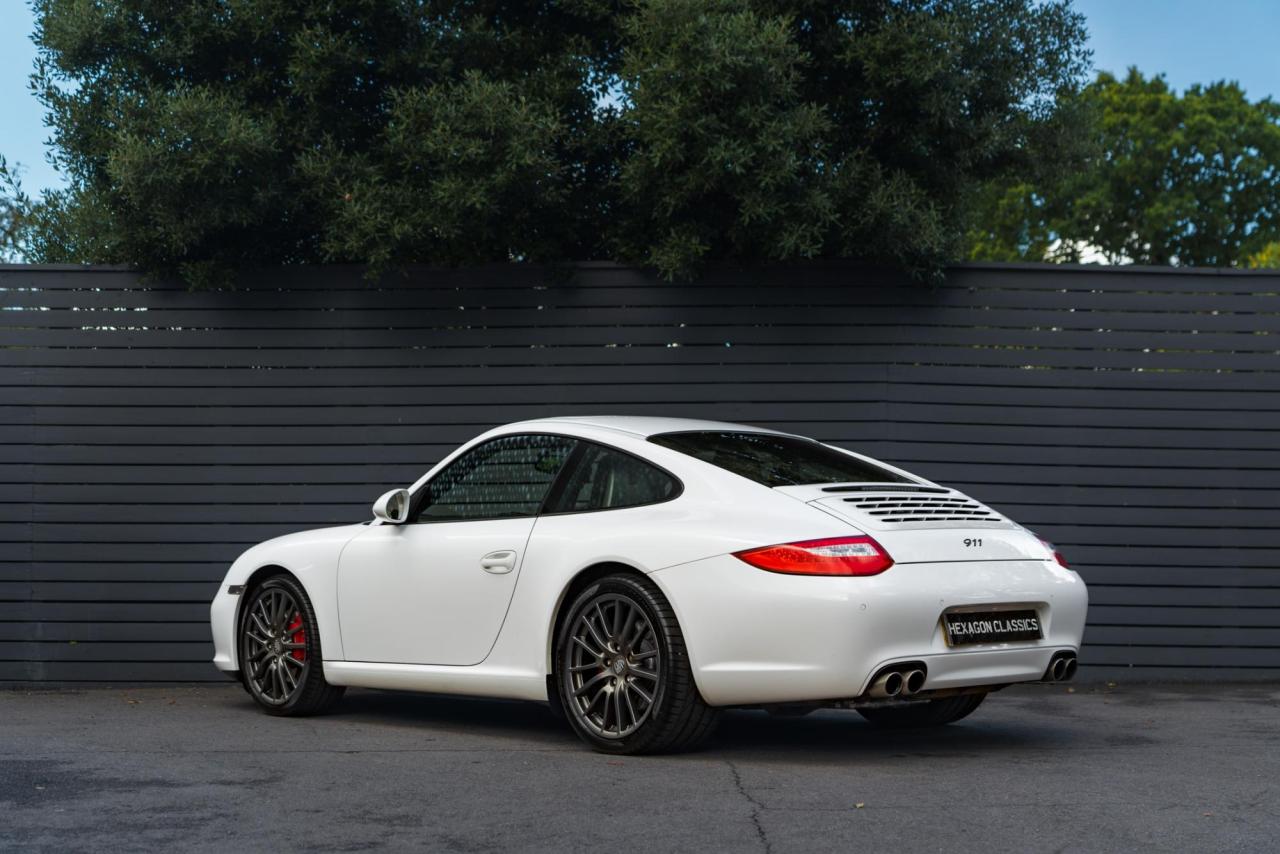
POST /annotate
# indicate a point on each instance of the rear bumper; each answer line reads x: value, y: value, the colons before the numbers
x: 760, y: 637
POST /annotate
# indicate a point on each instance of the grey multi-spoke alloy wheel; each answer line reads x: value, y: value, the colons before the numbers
x: 623, y: 674
x: 280, y: 659
x: 614, y: 666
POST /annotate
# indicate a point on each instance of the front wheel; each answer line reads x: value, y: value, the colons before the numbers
x: 926, y: 714
x: 280, y: 659
x: 623, y: 673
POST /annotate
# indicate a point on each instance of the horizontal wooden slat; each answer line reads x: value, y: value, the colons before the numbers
x: 80, y: 632
x: 1264, y: 637
x: 249, y: 495
x: 303, y: 514
x: 121, y: 612
x: 115, y: 651
x: 1208, y: 556
x: 1216, y: 597
x: 264, y: 477
x: 1122, y: 495
x: 1181, y: 576
x: 187, y: 390
x: 1166, y: 656
x: 1121, y: 675
x: 106, y: 591
x: 109, y: 671
x: 1151, y: 615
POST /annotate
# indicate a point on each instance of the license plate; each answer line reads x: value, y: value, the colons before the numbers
x: 991, y: 626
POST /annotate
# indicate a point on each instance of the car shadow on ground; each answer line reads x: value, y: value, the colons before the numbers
x: 822, y: 737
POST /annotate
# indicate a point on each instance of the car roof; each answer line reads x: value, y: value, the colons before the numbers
x: 644, y: 425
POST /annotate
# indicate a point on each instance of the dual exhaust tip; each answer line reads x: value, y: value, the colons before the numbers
x: 1062, y: 668
x: 901, y: 681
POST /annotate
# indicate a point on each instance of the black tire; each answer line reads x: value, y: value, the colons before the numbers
x: 641, y: 642
x: 930, y: 713
x: 281, y: 664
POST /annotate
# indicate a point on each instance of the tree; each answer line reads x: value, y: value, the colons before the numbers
x: 1191, y: 179
x: 202, y: 137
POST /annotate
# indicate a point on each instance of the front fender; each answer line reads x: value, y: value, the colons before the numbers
x: 309, y: 556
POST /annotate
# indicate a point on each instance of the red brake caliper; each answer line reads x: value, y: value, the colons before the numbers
x: 299, y: 636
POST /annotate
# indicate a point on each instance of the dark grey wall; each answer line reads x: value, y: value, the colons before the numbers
x: 150, y: 435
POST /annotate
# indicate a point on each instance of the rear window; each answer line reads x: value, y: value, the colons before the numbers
x: 776, y: 460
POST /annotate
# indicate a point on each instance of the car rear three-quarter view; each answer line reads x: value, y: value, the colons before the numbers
x: 642, y: 574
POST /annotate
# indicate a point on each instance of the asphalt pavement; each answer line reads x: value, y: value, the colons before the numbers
x: 1038, y: 768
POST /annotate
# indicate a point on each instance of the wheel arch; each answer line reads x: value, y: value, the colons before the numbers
x: 575, y: 585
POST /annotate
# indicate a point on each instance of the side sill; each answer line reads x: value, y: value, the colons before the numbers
x: 476, y: 681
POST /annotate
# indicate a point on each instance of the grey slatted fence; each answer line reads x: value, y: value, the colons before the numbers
x: 149, y: 434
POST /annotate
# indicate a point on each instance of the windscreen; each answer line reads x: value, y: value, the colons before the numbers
x: 776, y: 460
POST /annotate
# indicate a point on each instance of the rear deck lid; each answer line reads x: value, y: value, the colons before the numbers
x: 924, y: 524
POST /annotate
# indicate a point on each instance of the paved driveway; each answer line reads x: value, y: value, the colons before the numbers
x: 1035, y: 769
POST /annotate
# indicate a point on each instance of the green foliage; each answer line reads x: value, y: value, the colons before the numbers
x: 1011, y: 225
x: 1191, y: 179
x: 463, y: 172
x: 726, y: 156
x: 9, y: 224
x: 205, y: 136
x: 1266, y: 258
x: 13, y: 213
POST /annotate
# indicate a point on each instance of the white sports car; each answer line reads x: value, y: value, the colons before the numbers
x: 640, y: 574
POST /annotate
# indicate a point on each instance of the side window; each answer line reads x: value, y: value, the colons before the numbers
x: 502, y: 478
x: 605, y: 479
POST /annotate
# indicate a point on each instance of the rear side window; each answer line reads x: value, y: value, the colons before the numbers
x: 606, y: 479
x: 776, y: 460
x: 502, y: 478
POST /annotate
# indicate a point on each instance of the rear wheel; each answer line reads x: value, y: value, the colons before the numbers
x: 280, y: 658
x: 623, y: 674
x: 926, y: 714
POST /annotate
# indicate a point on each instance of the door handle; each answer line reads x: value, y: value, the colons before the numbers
x: 500, y: 562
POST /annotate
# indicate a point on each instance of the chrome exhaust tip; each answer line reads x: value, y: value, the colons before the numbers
x: 887, y: 685
x: 912, y: 682
x: 1061, y: 669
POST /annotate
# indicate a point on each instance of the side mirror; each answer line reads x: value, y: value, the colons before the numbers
x: 392, y: 507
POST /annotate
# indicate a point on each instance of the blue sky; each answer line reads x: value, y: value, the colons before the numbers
x: 1190, y: 41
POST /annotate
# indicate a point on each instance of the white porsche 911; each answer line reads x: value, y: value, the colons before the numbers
x: 640, y: 574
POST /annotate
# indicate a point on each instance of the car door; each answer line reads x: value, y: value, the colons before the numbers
x: 435, y: 590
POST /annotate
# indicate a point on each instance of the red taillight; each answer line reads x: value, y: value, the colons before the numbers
x: 1057, y: 555
x: 835, y: 556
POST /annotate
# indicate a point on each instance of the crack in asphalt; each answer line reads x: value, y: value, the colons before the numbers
x: 756, y: 807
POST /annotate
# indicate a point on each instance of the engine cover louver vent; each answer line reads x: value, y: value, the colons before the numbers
x: 898, y: 508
